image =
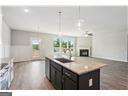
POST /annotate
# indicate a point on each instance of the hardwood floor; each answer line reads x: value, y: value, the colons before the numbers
x: 31, y: 76
x: 114, y: 76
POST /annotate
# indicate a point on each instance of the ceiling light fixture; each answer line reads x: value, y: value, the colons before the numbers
x: 26, y: 10
x: 60, y: 23
x: 38, y: 33
x: 79, y: 24
x: 87, y: 34
x: 80, y: 21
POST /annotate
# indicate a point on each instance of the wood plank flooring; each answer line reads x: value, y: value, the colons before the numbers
x: 114, y: 76
x: 31, y: 76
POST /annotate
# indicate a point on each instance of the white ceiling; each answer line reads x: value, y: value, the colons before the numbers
x: 96, y: 18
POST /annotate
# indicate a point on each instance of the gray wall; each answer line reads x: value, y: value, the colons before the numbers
x: 21, y: 48
x: 0, y: 26
x: 127, y: 33
x: 5, y: 40
x: 110, y: 45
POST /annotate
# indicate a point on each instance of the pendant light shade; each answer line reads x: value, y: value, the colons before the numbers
x: 87, y: 34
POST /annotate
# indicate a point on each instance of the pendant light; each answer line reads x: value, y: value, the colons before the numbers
x: 80, y: 21
x: 60, y: 23
x: 39, y: 40
x: 88, y: 34
x: 60, y: 31
x: 80, y: 24
x: 38, y: 34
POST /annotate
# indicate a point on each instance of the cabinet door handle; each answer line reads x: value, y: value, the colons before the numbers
x: 62, y: 79
x: 67, y: 74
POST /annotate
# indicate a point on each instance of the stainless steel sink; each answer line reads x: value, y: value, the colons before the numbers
x: 64, y: 60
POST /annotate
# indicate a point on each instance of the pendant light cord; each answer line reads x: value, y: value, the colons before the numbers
x: 60, y: 25
x: 79, y: 13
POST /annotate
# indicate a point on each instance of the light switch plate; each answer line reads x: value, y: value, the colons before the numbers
x: 90, y: 82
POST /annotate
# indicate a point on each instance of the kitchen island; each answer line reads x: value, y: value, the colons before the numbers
x: 83, y: 73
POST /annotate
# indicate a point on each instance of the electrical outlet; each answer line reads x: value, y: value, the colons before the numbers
x: 90, y: 82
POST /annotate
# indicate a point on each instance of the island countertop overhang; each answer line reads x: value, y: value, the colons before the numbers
x: 81, y: 65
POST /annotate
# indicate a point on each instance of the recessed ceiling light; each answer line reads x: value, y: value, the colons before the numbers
x: 26, y: 10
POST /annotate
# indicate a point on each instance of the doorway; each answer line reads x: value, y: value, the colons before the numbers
x: 36, y: 48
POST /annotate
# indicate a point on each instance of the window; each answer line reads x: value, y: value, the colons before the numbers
x: 35, y: 44
x: 62, y: 44
x: 56, y: 45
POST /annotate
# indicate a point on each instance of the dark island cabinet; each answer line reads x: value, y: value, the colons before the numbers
x: 56, y: 75
x: 47, y: 68
x: 65, y: 79
x: 69, y: 80
x: 90, y: 80
x: 56, y: 78
x: 68, y: 84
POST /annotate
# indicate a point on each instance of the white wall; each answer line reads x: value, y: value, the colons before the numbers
x: 110, y: 42
x: 4, y: 38
x: 127, y: 33
x: 21, y: 53
x: 83, y: 43
x: 0, y: 26
x: 21, y: 48
x: 47, y: 45
x: 1, y: 33
x: 110, y: 45
x: 5, y: 33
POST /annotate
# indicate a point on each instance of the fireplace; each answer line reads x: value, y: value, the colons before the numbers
x: 84, y: 52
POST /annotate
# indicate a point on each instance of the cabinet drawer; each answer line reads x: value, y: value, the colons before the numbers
x: 70, y: 74
x: 57, y: 66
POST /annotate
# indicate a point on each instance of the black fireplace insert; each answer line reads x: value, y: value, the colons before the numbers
x: 84, y: 52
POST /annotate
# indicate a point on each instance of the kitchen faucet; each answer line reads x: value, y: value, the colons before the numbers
x: 70, y: 53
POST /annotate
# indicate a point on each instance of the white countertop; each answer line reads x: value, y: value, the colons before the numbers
x: 81, y: 65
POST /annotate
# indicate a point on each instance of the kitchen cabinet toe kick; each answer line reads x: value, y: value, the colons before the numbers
x: 64, y: 79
